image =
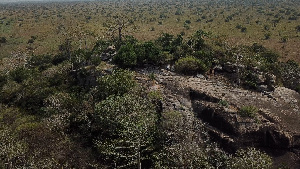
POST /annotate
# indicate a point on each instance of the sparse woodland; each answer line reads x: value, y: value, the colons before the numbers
x: 72, y: 94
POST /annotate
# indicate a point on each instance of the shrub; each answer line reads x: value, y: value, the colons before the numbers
x: 118, y: 83
x: 30, y: 41
x: 19, y: 74
x: 284, y: 39
x: 126, y: 56
x: 248, y: 111
x: 269, y: 57
x: 190, y: 65
x: 3, y: 40
x: 289, y: 72
x: 188, y: 21
x: 293, y: 18
x: 267, y: 27
x: 59, y: 103
x: 250, y: 158
x: 197, y: 40
x: 267, y: 35
x: 257, y: 48
x: 81, y: 58
x: 243, y: 29
x: 183, y: 148
x: 58, y: 75
x: 298, y: 88
x: 66, y: 47
x: 165, y: 41
x: 298, y: 28
x: 10, y: 91
x: 3, y: 80
x: 152, y: 76
x: 250, y: 79
x: 238, y: 26
x: 186, y: 26
x: 41, y: 61
x: 149, y: 53
x: 100, y: 47
x: 12, y: 148
x: 223, y: 103
x: 205, y: 55
x: 126, y: 125
x: 34, y: 91
x: 59, y: 58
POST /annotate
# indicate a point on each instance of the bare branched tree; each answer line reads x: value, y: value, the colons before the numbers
x: 119, y: 26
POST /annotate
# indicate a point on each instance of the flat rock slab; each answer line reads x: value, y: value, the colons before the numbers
x: 279, y: 111
x: 283, y: 104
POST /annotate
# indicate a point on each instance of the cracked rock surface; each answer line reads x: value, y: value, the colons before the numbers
x: 274, y: 129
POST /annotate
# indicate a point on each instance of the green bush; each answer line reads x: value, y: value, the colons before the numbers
x: 297, y: 28
x: 223, y: 103
x: 248, y: 111
x: 81, y: 58
x: 126, y: 56
x: 284, y: 39
x: 250, y: 79
x: 197, y: 40
x: 59, y: 103
x: 243, y: 29
x: 205, y: 55
x: 9, y: 91
x: 3, y: 80
x: 165, y: 41
x: 190, y: 65
x: 250, y: 158
x: 12, y: 148
x: 34, y: 91
x: 42, y: 62
x: 149, y: 53
x: 183, y: 145
x: 19, y: 74
x: 267, y: 35
x: 297, y: 88
x: 257, y: 48
x: 270, y: 56
x: 3, y: 40
x: 100, y: 47
x: 59, y: 58
x: 126, y: 126
x: 289, y: 73
x: 118, y: 83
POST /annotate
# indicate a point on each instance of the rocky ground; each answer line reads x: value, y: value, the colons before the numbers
x: 275, y: 128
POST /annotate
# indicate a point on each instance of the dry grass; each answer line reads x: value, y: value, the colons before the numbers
x: 84, y: 22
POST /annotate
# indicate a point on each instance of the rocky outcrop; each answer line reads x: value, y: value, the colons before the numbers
x: 274, y: 128
x: 108, y: 54
x: 247, y: 77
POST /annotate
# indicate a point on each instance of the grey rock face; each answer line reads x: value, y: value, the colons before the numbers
x: 275, y: 125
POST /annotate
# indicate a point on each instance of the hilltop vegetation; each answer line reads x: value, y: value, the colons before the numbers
x: 69, y: 99
x: 73, y: 110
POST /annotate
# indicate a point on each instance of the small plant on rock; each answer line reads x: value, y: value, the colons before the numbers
x: 267, y: 35
x: 152, y: 76
x: 248, y: 111
x: 223, y: 103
